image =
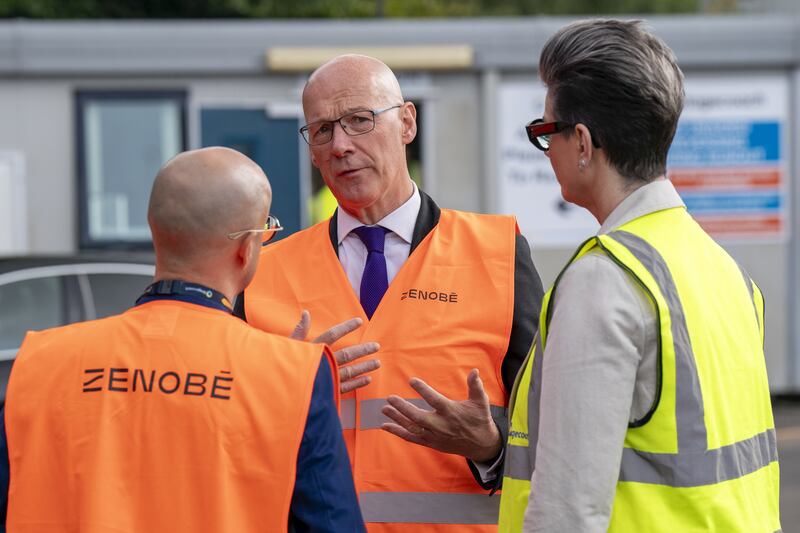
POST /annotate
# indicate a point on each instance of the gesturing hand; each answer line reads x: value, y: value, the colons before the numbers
x: 464, y: 428
x: 351, y: 375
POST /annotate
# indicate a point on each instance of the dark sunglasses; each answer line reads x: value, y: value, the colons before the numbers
x: 539, y: 132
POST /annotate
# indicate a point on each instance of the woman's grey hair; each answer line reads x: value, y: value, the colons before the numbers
x: 623, y: 83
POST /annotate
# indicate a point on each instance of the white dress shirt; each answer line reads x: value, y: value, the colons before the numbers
x: 353, y: 253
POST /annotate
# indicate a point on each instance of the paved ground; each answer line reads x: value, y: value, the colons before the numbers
x: 787, y: 424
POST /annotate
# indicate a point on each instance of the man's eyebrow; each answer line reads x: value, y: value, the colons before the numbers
x: 346, y: 111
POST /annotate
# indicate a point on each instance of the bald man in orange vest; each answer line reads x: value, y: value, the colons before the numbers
x: 436, y: 293
x: 176, y: 416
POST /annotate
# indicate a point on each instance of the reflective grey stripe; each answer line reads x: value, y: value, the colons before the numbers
x: 518, y: 463
x: 499, y: 413
x: 748, y: 281
x: 520, y: 459
x: 689, y: 410
x: 348, y: 413
x: 372, y: 418
x: 693, y: 469
x: 534, y: 399
x: 429, y: 507
x: 694, y: 464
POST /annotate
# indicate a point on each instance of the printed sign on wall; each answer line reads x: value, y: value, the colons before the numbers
x: 729, y: 157
x: 526, y: 182
x: 729, y: 162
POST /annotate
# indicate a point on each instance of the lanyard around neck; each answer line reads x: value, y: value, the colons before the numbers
x: 175, y: 289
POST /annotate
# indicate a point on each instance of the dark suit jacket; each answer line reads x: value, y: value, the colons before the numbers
x: 528, y: 294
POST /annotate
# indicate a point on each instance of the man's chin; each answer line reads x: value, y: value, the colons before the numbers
x: 353, y: 203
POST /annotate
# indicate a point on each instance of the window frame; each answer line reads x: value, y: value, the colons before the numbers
x: 84, y: 97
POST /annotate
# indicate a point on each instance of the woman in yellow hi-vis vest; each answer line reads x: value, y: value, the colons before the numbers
x: 644, y: 404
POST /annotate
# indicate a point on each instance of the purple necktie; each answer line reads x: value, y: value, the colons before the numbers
x: 374, y: 281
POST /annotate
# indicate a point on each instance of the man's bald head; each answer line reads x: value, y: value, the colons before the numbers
x: 366, y: 172
x: 354, y: 71
x: 200, y: 196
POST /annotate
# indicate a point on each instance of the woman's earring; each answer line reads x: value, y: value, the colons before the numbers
x: 582, y: 164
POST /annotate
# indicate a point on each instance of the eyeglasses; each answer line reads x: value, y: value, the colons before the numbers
x: 539, y: 132
x: 355, y: 123
x: 271, y: 227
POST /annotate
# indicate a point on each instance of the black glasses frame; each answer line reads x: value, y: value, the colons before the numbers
x: 539, y: 132
x: 304, y: 131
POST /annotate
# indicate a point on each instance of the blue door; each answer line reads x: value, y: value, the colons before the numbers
x: 273, y: 143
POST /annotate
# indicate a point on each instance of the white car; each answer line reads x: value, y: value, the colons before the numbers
x: 42, y: 292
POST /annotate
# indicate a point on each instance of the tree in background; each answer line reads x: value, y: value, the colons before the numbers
x: 193, y: 9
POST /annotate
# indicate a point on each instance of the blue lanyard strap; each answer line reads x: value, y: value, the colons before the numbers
x: 175, y: 289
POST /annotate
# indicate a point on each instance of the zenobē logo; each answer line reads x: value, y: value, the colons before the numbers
x: 433, y: 296
x: 139, y: 380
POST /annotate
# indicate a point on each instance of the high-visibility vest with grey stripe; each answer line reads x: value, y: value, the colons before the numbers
x: 448, y: 310
x: 704, y: 457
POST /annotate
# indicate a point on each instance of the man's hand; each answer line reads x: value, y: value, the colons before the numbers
x: 352, y: 375
x: 464, y: 428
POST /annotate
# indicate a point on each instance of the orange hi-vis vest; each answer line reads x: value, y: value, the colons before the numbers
x: 448, y: 310
x: 170, y: 417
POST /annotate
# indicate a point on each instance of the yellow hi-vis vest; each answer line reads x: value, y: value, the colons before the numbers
x: 704, y: 457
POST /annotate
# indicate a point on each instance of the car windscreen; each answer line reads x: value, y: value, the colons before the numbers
x: 114, y: 293
x: 30, y: 304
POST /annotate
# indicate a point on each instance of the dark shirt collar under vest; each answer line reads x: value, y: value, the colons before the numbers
x: 427, y: 218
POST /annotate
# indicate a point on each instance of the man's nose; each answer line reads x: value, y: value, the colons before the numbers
x: 341, y: 142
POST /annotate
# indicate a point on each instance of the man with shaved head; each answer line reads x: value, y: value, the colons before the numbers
x: 175, y: 415
x: 440, y: 293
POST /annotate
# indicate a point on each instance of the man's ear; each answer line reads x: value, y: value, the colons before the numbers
x: 245, y: 252
x: 408, y: 116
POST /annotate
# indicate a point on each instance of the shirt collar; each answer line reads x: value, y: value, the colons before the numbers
x: 401, y: 221
x: 654, y: 196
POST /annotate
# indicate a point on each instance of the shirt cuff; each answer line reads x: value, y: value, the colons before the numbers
x: 490, y: 471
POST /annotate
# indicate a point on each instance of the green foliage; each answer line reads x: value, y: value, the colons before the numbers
x: 432, y: 8
x: 721, y: 6
x: 587, y: 7
x: 168, y: 9
x: 124, y: 9
x: 309, y: 8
